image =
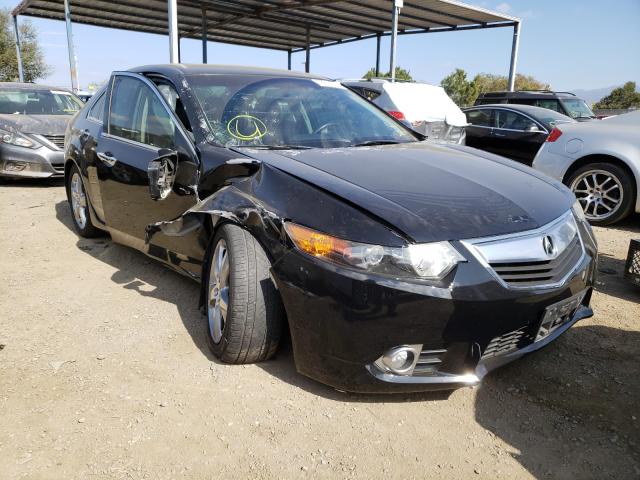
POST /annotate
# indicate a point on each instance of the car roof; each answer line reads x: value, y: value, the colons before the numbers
x: 31, y: 86
x: 182, y: 69
x: 527, y: 94
x: 530, y: 110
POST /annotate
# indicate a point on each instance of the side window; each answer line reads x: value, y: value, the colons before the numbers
x: 550, y: 104
x: 480, y: 118
x: 96, y: 112
x: 512, y: 121
x: 370, y: 94
x: 138, y: 114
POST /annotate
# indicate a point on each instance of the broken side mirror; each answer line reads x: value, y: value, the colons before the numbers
x: 162, y: 174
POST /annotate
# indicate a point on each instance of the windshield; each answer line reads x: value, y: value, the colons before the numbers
x: 38, y: 102
x: 577, y: 108
x: 291, y: 112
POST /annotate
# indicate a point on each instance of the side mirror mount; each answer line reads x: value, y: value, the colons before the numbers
x: 162, y: 174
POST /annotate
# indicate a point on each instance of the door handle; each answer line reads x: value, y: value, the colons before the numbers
x: 107, y: 158
x: 499, y: 134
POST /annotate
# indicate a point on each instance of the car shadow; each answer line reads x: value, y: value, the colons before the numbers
x: 554, y: 406
x: 630, y: 224
x: 31, y: 182
x: 611, y: 279
x: 150, y: 278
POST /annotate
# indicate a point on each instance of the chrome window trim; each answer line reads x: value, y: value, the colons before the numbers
x: 543, y: 129
x: 470, y: 245
x: 152, y: 86
x: 130, y: 142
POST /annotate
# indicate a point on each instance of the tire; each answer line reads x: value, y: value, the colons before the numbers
x: 608, y: 184
x: 79, y: 205
x: 250, y: 328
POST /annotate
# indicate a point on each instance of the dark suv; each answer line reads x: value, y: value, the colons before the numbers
x: 563, y: 102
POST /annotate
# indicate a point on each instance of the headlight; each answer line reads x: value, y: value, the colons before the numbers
x: 455, y: 134
x: 430, y: 261
x: 14, y: 138
x: 578, y: 211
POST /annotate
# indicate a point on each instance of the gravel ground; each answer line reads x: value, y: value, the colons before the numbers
x: 105, y: 373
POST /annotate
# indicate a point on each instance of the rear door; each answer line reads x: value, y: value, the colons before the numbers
x: 140, y: 127
x: 516, y: 136
x: 479, y: 128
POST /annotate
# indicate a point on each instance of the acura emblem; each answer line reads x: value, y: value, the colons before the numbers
x: 548, y: 246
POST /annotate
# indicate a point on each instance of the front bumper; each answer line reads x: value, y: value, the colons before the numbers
x: 21, y: 162
x: 341, y: 322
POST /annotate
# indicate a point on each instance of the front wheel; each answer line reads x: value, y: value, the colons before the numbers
x: 244, y: 310
x: 605, y: 192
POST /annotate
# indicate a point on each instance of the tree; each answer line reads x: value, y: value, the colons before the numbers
x: 487, y: 82
x: 33, y: 62
x: 401, y: 74
x: 620, y: 98
x: 462, y: 91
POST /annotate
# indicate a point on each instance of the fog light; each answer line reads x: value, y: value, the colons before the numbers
x: 399, y: 360
x: 15, y: 166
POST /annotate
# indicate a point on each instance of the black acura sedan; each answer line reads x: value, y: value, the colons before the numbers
x: 398, y: 265
x: 513, y: 131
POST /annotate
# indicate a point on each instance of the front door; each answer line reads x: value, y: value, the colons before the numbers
x: 516, y: 136
x: 140, y: 128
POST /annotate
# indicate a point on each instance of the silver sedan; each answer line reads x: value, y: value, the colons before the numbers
x: 600, y: 162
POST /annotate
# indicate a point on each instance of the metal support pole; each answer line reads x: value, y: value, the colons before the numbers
x: 378, y: 37
x: 514, y: 56
x: 172, y: 11
x: 308, y: 52
x: 179, y: 52
x: 73, y: 61
x: 397, y: 5
x: 289, y: 59
x: 205, y: 27
x: 18, y: 48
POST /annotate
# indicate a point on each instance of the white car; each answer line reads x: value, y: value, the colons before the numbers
x: 600, y: 162
x: 426, y: 108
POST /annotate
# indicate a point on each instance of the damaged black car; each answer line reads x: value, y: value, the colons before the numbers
x: 397, y: 265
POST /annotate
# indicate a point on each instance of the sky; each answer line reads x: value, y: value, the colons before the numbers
x: 570, y: 44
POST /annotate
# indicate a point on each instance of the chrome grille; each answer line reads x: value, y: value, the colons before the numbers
x: 545, y: 257
x: 530, y: 274
x: 57, y: 140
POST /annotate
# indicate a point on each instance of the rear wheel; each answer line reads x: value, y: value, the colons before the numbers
x: 244, y: 310
x: 605, y: 192
x: 79, y: 204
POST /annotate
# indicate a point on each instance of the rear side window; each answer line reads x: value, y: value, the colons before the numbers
x: 550, y: 104
x: 137, y: 114
x: 512, y: 121
x: 96, y: 112
x: 481, y: 118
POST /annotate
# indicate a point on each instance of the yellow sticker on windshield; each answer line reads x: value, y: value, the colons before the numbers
x: 246, y: 127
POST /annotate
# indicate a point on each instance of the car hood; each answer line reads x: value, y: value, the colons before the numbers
x: 36, y: 124
x: 431, y: 192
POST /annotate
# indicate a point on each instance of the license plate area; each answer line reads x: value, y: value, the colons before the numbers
x: 558, y: 314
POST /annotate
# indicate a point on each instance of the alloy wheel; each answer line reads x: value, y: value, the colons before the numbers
x: 218, y: 293
x: 78, y: 201
x: 599, y: 192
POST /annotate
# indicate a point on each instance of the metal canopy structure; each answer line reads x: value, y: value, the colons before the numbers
x: 287, y: 25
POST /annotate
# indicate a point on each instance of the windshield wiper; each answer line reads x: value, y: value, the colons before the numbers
x: 375, y: 142
x: 276, y: 147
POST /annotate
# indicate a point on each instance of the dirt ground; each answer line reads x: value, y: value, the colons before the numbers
x: 105, y: 373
